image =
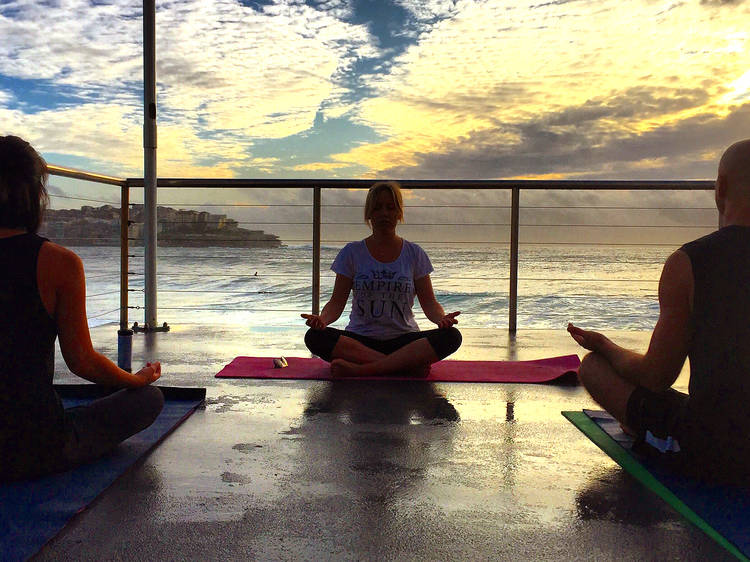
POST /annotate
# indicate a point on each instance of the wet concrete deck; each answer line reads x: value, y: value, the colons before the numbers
x: 311, y: 470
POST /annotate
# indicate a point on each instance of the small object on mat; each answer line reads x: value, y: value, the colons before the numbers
x: 279, y: 363
x: 34, y: 511
x: 720, y: 511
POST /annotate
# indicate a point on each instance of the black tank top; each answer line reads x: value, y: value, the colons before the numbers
x: 720, y: 347
x: 31, y: 414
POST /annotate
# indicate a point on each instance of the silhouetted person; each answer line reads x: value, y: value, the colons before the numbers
x: 704, y: 300
x: 43, y: 296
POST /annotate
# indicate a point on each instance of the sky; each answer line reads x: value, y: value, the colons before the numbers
x: 409, y: 89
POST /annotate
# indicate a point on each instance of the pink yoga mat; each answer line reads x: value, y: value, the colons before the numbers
x: 538, y: 371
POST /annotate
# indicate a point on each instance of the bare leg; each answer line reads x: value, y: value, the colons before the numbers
x: 606, y: 387
x: 354, y: 351
x: 417, y: 355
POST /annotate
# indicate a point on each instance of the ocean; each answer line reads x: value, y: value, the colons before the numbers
x: 599, y: 287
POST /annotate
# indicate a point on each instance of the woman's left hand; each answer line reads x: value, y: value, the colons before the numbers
x: 448, y: 320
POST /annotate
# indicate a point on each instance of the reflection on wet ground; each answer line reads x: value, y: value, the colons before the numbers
x: 372, y: 471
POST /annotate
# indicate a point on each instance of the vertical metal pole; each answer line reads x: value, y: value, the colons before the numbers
x: 124, y: 335
x: 149, y: 159
x: 513, y: 289
x: 316, y: 252
x: 124, y: 222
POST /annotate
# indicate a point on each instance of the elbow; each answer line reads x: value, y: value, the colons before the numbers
x: 661, y: 382
x: 81, y: 362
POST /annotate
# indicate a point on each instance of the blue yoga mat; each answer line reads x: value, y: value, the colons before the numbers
x: 32, y: 512
x: 721, y: 511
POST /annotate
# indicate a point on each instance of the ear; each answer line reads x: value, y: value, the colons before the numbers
x: 720, y: 191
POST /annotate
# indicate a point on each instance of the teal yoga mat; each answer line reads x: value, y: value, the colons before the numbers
x: 32, y: 512
x: 720, y: 511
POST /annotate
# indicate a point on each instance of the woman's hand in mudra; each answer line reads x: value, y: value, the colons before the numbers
x: 448, y: 320
x: 150, y: 372
x: 314, y: 321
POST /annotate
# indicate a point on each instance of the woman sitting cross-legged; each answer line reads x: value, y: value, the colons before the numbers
x: 384, y: 272
x: 43, y: 296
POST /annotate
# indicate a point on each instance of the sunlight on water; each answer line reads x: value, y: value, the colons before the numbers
x: 603, y: 287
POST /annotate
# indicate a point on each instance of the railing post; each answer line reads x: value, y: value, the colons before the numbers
x: 150, y: 213
x: 316, y: 252
x: 513, y: 289
x: 124, y: 248
x: 124, y: 334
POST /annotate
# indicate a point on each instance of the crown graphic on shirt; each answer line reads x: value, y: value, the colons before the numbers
x: 382, y: 274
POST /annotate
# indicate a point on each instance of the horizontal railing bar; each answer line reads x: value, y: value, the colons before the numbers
x: 86, y: 176
x: 99, y: 294
x: 470, y: 312
x: 439, y: 293
x: 417, y: 241
x: 614, y: 208
x: 103, y: 313
x: 587, y: 225
x: 82, y: 199
x: 442, y: 224
x: 430, y: 184
x: 506, y: 207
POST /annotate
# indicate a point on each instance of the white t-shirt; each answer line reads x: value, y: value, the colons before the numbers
x: 382, y: 293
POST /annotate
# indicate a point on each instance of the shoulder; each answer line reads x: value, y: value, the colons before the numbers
x: 678, y: 264
x: 676, y: 281
x: 59, y: 261
x: 727, y: 234
x: 352, y: 248
x: 414, y: 248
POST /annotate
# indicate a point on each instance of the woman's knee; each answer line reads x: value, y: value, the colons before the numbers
x: 321, y: 342
x: 446, y: 341
x: 454, y: 338
x: 150, y: 400
x: 591, y: 367
x: 314, y: 340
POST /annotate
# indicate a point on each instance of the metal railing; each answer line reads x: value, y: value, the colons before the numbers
x: 513, y: 186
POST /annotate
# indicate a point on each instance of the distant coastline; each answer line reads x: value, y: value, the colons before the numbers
x: 100, y: 226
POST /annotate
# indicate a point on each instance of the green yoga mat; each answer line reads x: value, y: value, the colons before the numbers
x: 722, y: 512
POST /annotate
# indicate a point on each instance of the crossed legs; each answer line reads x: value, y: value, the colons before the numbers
x: 352, y: 355
x: 415, y: 357
x: 605, y: 386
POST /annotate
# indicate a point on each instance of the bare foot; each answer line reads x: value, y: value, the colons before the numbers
x: 341, y: 368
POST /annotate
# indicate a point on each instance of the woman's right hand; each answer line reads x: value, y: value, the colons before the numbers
x: 149, y: 373
x: 314, y: 321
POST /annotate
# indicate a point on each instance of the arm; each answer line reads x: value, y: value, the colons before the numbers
x: 65, y: 269
x: 431, y: 307
x: 334, y: 307
x: 660, y: 366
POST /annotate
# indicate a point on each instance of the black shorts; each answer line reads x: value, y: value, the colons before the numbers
x: 669, y: 430
x: 444, y: 341
x: 658, y: 418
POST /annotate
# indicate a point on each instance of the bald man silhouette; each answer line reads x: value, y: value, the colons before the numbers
x: 704, y: 314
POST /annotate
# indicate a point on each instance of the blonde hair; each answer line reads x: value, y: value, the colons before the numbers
x: 393, y: 188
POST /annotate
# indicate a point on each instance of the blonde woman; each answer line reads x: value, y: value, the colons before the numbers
x: 384, y: 272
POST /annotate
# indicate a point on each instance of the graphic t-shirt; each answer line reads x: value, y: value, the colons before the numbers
x: 383, y: 293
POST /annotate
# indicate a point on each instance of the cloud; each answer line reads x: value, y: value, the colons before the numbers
x: 502, y: 76
x: 74, y: 50
x: 227, y: 73
x: 685, y: 149
x: 482, y: 89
